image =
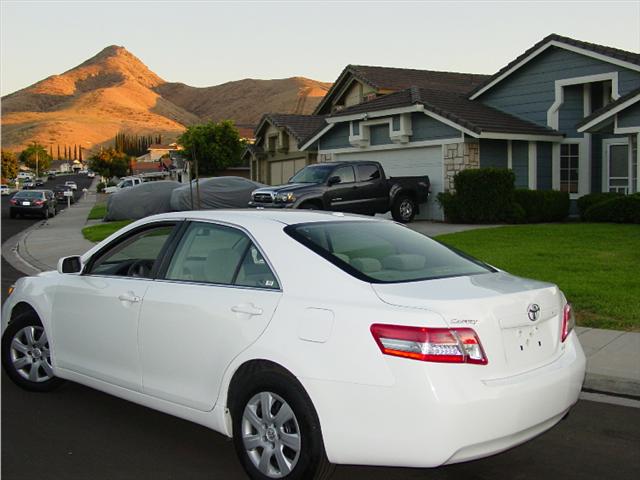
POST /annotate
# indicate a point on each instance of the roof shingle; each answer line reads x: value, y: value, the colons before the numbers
x: 300, y: 127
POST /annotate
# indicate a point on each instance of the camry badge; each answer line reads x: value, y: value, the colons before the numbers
x: 533, y: 312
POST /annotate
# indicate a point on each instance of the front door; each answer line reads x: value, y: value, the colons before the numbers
x: 342, y: 196
x: 95, y: 314
x: 618, y: 168
x: 214, y: 297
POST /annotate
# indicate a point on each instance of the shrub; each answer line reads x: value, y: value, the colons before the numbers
x: 449, y: 203
x: 587, y: 201
x: 543, y: 205
x: 484, y: 195
x: 100, y: 187
x: 619, y: 209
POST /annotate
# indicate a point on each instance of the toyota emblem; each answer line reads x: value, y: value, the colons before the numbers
x: 533, y: 312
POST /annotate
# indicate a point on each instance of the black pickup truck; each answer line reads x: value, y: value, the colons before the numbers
x: 354, y: 187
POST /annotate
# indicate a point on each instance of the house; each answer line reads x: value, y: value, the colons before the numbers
x: 564, y: 115
x: 156, y: 151
x: 276, y: 154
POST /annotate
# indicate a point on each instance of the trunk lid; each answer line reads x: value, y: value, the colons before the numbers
x: 516, y: 335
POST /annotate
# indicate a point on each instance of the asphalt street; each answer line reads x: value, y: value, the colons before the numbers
x: 79, y: 433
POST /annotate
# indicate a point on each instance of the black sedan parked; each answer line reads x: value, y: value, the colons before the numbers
x: 59, y: 192
x: 33, y: 202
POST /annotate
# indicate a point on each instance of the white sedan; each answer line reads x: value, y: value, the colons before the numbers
x: 311, y: 338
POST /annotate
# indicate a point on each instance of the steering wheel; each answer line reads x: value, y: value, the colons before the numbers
x: 140, y: 268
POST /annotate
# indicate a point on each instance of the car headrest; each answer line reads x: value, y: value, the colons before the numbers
x: 366, y: 264
x: 404, y: 262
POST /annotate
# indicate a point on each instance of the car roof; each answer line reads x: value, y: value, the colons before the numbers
x: 247, y: 216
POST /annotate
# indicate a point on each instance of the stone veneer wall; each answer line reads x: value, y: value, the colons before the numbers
x: 457, y: 157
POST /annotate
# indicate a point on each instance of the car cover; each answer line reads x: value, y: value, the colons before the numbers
x: 216, y: 192
x: 141, y: 201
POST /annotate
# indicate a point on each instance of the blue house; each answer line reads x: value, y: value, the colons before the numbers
x: 564, y: 115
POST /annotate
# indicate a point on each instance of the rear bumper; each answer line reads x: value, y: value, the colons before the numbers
x: 23, y: 210
x: 430, y: 417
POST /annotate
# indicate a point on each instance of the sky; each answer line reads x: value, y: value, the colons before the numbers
x: 208, y: 43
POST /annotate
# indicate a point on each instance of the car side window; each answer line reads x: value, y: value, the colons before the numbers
x: 368, y: 172
x: 134, y: 257
x: 345, y: 173
x: 210, y: 253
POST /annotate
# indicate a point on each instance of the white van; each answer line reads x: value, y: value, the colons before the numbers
x: 25, y: 176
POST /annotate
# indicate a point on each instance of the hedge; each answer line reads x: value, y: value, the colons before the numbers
x: 543, y: 205
x: 619, y: 209
x: 587, y: 201
x: 488, y: 195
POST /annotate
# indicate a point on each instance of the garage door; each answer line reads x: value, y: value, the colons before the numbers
x: 408, y: 162
x: 280, y: 172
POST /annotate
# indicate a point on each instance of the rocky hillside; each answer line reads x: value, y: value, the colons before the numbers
x: 115, y: 91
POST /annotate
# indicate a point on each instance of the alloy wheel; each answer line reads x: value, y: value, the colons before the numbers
x: 406, y: 209
x: 30, y: 354
x: 271, y: 434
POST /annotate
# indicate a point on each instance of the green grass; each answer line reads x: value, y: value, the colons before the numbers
x: 597, y: 266
x: 98, y: 211
x: 97, y: 233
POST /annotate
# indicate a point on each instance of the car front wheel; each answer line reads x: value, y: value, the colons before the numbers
x: 276, y: 431
x: 26, y: 356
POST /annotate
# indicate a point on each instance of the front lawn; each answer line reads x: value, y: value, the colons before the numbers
x: 98, y: 211
x: 97, y: 233
x: 596, y: 265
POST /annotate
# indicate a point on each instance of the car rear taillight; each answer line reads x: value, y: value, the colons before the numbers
x: 38, y: 202
x: 446, y: 345
x: 13, y: 201
x: 568, y: 321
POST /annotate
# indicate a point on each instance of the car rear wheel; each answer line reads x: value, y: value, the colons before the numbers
x: 403, y: 209
x: 277, y: 431
x: 26, y: 356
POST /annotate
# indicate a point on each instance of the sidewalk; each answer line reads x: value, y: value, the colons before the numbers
x: 613, y: 357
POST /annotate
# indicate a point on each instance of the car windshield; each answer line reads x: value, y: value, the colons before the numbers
x: 384, y: 252
x: 32, y: 194
x: 312, y: 174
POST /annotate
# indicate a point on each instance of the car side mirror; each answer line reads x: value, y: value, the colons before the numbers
x: 333, y: 180
x: 71, y: 264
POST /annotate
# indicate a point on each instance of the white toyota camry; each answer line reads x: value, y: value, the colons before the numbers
x: 311, y: 338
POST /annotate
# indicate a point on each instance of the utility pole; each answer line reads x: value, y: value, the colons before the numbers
x: 197, y: 181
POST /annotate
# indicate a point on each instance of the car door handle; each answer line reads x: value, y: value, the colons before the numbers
x: 247, y: 308
x: 129, y: 297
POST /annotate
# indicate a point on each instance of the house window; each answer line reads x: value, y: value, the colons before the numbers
x: 271, y: 144
x: 569, y: 160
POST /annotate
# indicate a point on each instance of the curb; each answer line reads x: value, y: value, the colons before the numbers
x: 11, y: 252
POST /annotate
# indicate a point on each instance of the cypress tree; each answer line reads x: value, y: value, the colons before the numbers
x: 58, y: 151
x: 75, y: 152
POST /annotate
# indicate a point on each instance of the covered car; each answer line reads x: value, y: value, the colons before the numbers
x: 215, y: 192
x: 141, y: 201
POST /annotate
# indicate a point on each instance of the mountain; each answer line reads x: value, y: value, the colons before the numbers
x: 115, y: 91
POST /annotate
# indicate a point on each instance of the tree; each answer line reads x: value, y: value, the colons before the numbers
x: 9, y: 164
x: 215, y: 146
x: 110, y: 163
x: 58, y: 152
x: 80, y: 153
x: 35, y: 156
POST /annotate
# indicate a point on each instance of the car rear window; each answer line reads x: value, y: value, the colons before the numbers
x: 384, y: 252
x: 32, y: 194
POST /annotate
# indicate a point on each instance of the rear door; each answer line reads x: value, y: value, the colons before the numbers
x: 372, y: 191
x: 215, y: 297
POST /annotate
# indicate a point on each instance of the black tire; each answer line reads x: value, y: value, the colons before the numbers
x: 15, y: 330
x: 311, y: 462
x: 45, y: 214
x: 403, y: 209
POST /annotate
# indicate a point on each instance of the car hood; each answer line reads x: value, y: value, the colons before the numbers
x: 287, y: 188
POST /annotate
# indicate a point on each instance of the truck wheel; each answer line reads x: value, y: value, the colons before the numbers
x: 403, y: 209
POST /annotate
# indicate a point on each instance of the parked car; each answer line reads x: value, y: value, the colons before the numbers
x: 91, y: 174
x: 4, y: 189
x: 384, y: 334
x: 39, y: 182
x: 355, y: 187
x: 124, y: 182
x: 33, y: 202
x: 28, y: 185
x: 60, y: 195
x: 25, y: 176
x: 51, y: 175
x: 72, y: 184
